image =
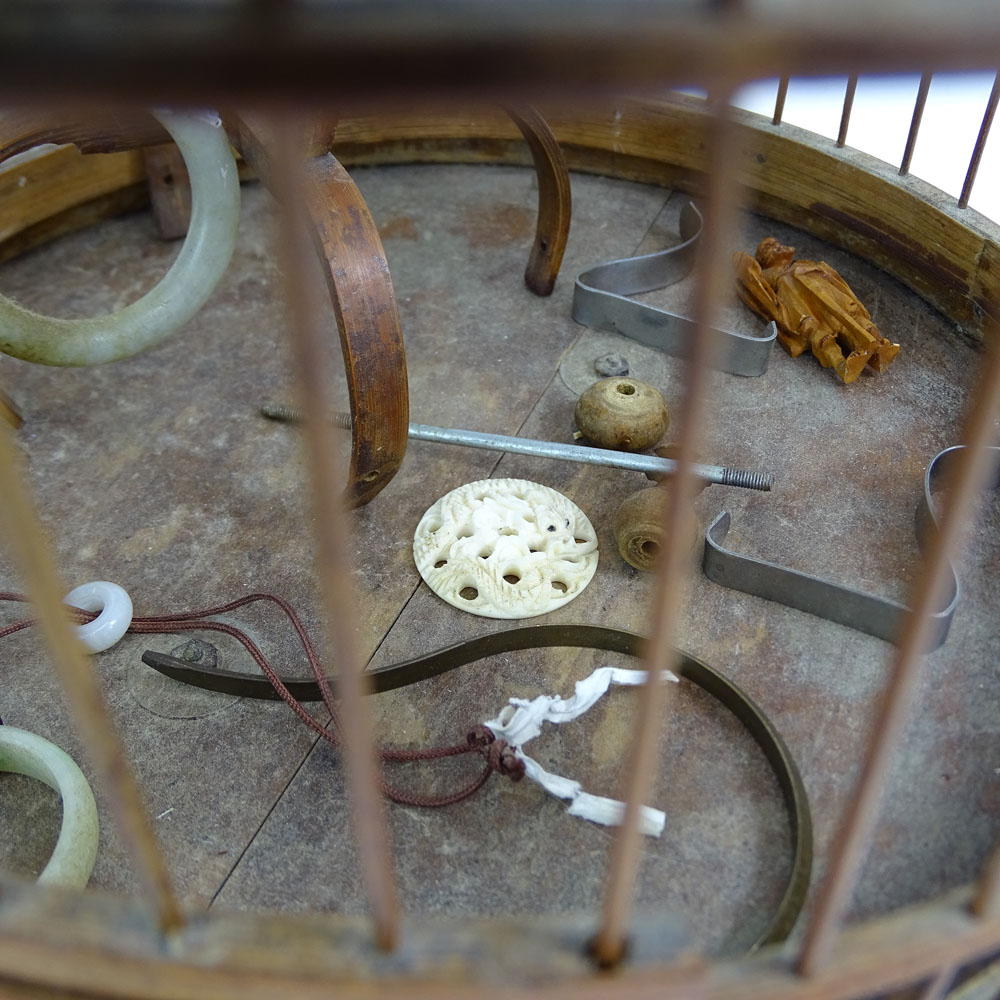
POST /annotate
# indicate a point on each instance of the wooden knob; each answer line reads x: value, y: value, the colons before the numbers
x: 622, y: 413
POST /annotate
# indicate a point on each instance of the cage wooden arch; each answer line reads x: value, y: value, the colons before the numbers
x: 91, y: 944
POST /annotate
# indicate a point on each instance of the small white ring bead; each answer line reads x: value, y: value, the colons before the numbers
x: 112, y: 623
x: 75, y: 852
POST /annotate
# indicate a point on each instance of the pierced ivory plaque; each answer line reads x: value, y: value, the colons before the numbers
x: 505, y: 548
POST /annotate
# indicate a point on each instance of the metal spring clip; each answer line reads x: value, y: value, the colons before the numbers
x: 600, y: 300
x: 878, y: 616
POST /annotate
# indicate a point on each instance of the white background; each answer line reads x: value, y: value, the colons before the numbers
x: 880, y: 122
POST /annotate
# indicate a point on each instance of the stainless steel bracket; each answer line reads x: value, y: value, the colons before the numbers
x: 878, y: 616
x: 600, y: 300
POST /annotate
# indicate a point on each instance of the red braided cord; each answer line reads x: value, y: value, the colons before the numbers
x: 196, y: 620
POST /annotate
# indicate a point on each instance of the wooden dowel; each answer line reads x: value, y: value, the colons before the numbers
x: 779, y: 100
x: 977, y: 152
x: 34, y: 562
x: 713, y: 278
x: 308, y: 304
x: 918, y: 114
x: 845, y: 115
x: 971, y: 472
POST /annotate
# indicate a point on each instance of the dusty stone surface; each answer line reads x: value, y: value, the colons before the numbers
x: 156, y: 473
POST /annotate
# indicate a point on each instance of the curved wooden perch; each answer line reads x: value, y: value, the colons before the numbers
x: 555, y: 203
x: 360, y: 287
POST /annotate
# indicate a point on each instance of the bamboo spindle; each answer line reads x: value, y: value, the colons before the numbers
x: 971, y: 473
x: 306, y: 304
x: 845, y: 115
x: 918, y: 113
x: 712, y: 273
x: 937, y: 987
x: 977, y: 152
x: 34, y: 561
x: 986, y: 903
x: 779, y: 100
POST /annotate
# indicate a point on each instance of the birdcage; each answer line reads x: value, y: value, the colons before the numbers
x: 240, y: 855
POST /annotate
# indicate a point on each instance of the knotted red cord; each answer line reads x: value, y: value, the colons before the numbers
x: 498, y: 755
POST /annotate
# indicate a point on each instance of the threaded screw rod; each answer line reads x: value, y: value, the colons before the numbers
x: 651, y: 465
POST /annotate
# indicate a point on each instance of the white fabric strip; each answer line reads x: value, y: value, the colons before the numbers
x: 521, y: 721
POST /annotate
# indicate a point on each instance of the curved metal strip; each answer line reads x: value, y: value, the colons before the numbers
x: 877, y: 616
x: 600, y: 300
x: 615, y: 640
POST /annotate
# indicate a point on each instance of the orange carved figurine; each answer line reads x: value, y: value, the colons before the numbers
x: 813, y: 307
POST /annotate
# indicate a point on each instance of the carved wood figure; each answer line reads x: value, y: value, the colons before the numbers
x: 813, y: 307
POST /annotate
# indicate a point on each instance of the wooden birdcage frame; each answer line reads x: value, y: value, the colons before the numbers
x: 584, y: 60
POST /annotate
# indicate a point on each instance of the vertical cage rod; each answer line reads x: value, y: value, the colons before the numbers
x: 977, y: 152
x: 845, y: 115
x: 971, y: 472
x: 918, y: 113
x: 937, y: 987
x: 655, y: 697
x: 986, y: 902
x: 35, y: 563
x: 779, y: 100
x: 306, y: 305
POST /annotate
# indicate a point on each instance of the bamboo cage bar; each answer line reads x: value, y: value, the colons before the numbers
x: 977, y: 152
x: 779, y: 100
x: 971, y: 473
x: 845, y: 114
x: 927, y: 945
x: 306, y: 303
x: 610, y: 943
x: 23, y: 535
x: 918, y: 113
x: 986, y: 903
x: 937, y: 987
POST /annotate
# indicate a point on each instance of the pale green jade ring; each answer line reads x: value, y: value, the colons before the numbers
x: 183, y: 290
x: 73, y: 859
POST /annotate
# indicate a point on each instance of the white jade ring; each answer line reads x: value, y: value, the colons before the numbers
x: 112, y: 623
x: 73, y: 859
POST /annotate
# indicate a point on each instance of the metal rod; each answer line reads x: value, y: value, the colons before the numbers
x: 779, y: 100
x: 651, y: 465
x: 918, y: 114
x: 34, y: 560
x: 845, y: 116
x: 655, y: 697
x: 308, y: 307
x: 977, y: 152
x: 849, y: 848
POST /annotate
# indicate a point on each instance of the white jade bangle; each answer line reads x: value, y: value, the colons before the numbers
x: 73, y: 859
x: 112, y: 623
x: 183, y: 290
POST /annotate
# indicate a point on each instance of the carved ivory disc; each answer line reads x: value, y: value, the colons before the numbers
x: 505, y: 548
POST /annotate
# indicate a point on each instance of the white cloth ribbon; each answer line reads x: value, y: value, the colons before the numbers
x: 521, y: 721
